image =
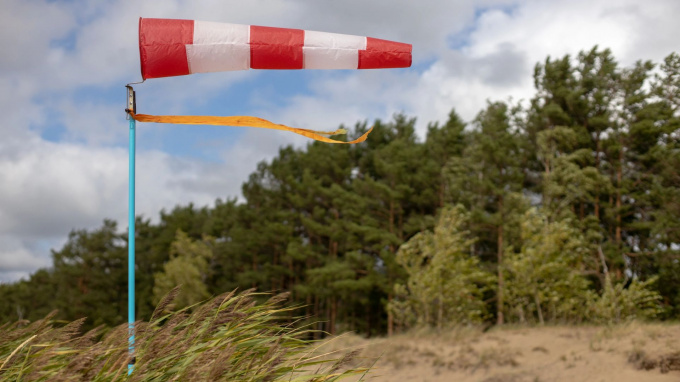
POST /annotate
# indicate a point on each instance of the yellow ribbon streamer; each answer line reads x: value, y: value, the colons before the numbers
x: 244, y: 121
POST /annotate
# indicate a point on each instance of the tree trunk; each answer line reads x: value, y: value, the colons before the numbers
x: 328, y: 305
x: 273, y: 278
x: 334, y: 312
x: 440, y: 312
x: 605, y: 270
x: 619, y: 176
x: 290, y: 287
x: 546, y: 198
x: 368, y: 320
x: 609, y: 226
x: 390, y: 317
x: 499, y: 300
x: 345, y: 319
x: 316, y: 314
x: 253, y: 285
x: 308, y: 264
x: 352, y: 320
x: 538, y: 308
x: 597, y: 166
x: 426, y: 306
x: 391, y: 223
x: 401, y: 225
x: 391, y: 216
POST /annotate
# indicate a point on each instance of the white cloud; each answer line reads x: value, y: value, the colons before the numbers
x: 24, y: 34
x: 18, y: 259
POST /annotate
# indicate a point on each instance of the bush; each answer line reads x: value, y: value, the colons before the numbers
x: 446, y: 283
x: 618, y: 303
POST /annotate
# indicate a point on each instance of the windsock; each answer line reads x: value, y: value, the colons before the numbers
x: 171, y: 47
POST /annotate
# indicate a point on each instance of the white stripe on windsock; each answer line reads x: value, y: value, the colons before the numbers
x: 218, y: 57
x: 325, y: 58
x: 331, y: 50
x: 219, y: 47
x: 334, y: 41
x: 207, y: 32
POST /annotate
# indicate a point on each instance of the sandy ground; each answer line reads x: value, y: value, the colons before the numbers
x: 632, y: 352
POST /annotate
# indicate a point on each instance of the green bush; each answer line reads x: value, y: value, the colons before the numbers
x: 446, y: 283
x: 619, y: 304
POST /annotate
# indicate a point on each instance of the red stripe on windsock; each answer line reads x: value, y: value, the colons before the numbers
x: 381, y: 54
x: 276, y: 48
x: 162, y: 46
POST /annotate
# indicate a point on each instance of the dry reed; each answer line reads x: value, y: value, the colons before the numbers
x: 228, y: 338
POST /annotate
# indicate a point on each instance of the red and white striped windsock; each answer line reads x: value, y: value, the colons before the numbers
x: 170, y: 47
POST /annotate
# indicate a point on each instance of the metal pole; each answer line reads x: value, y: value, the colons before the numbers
x: 131, y: 234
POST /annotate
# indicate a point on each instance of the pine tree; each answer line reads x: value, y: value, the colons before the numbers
x: 442, y: 145
x: 389, y: 183
x: 571, y: 116
x: 484, y: 179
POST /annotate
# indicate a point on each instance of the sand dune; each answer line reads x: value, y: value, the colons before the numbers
x: 625, y: 353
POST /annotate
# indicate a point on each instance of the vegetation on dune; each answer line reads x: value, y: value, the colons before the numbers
x: 229, y: 338
x: 562, y: 209
x: 445, y: 285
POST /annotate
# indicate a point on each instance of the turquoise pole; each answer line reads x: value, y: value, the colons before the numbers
x: 131, y: 248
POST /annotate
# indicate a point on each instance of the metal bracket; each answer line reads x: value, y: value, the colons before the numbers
x: 131, y: 104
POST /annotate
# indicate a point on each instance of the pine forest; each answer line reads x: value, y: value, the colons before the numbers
x: 564, y: 208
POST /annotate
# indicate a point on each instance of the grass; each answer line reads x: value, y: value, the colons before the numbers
x: 228, y: 338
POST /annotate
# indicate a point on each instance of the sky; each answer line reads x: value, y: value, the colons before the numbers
x: 63, y: 133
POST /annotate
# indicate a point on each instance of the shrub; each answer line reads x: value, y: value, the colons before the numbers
x: 619, y: 304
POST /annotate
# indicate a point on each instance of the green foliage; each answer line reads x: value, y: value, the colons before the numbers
x: 545, y: 277
x: 188, y: 266
x: 229, y: 338
x: 619, y: 303
x: 445, y: 284
x: 90, y: 271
